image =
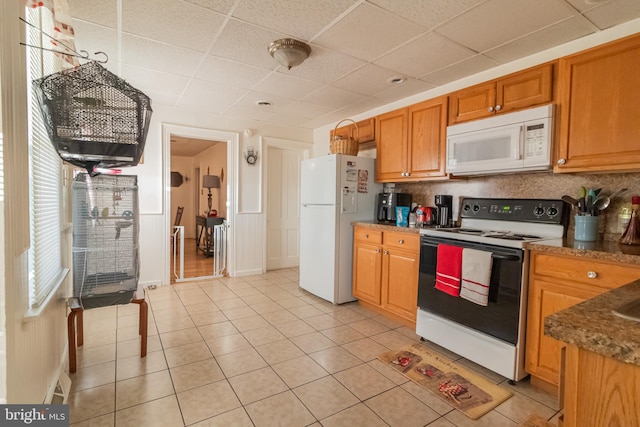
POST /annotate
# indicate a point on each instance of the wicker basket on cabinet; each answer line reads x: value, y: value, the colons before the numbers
x: 345, y: 144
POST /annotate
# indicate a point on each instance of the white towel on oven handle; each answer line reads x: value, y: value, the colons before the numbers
x: 476, y: 276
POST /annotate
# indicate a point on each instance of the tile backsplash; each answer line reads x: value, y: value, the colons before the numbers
x: 544, y: 185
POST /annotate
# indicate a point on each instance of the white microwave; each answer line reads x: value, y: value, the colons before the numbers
x: 511, y: 142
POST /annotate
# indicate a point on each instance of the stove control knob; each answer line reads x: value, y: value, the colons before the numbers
x: 539, y: 211
x: 476, y: 208
x: 552, y: 211
x: 466, y: 207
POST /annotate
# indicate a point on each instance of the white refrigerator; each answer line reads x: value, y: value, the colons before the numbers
x: 334, y: 191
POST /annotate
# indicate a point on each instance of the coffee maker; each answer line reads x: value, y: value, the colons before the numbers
x: 386, y: 206
x: 444, y: 203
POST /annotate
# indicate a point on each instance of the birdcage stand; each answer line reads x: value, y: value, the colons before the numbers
x: 75, y: 327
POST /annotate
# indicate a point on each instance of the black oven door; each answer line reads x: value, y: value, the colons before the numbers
x: 500, y: 317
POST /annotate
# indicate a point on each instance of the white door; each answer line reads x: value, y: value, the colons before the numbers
x: 283, y: 201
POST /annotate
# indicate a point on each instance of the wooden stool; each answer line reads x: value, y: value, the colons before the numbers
x: 74, y: 322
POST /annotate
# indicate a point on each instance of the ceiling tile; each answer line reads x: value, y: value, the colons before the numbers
x: 94, y: 38
x: 287, y: 86
x: 508, y: 20
x: 305, y: 110
x: 162, y: 57
x: 247, y: 113
x: 554, y: 35
x: 233, y: 73
x: 406, y: 89
x: 222, y: 6
x: 163, y: 22
x: 367, y: 80
x: 211, y: 97
x: 251, y: 99
x: 301, y: 19
x: 428, y: 53
x: 614, y: 13
x: 461, y: 69
x: 145, y: 79
x: 333, y: 97
x: 428, y: 13
x: 367, y: 32
x: 285, y: 119
x: 324, y: 66
x: 584, y: 5
x: 245, y: 43
x: 162, y: 97
x: 102, y: 12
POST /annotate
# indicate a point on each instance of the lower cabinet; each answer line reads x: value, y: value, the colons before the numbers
x: 557, y: 282
x: 385, y: 272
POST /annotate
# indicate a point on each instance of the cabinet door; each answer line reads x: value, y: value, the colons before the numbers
x: 599, y: 114
x: 367, y: 268
x: 472, y: 103
x: 427, y: 138
x: 391, y: 145
x: 365, y: 131
x: 525, y: 89
x: 400, y: 282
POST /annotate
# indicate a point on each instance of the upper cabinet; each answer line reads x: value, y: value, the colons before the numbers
x: 411, y: 142
x: 365, y: 131
x: 517, y: 91
x: 599, y: 100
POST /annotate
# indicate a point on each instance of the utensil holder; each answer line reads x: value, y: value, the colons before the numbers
x: 586, y: 228
x: 345, y: 145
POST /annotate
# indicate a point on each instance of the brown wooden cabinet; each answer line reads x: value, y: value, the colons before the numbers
x: 516, y: 91
x: 599, y: 99
x: 599, y: 391
x: 411, y: 142
x: 385, y: 272
x: 366, y: 131
x: 557, y: 282
x: 367, y: 265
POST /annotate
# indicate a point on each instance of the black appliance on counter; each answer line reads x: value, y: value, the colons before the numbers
x: 386, y: 205
x: 444, y: 204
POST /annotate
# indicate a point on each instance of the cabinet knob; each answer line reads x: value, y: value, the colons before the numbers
x: 408, y: 174
x: 377, y: 251
x: 490, y: 109
x: 366, y: 236
x: 401, y: 241
x: 386, y: 252
x: 561, y: 161
x: 498, y: 107
x: 592, y: 274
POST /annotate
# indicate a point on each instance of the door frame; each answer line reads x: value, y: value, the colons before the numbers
x: 283, y: 144
x: 232, y: 140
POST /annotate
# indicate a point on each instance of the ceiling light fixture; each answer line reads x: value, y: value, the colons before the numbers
x: 263, y: 103
x: 289, y: 52
x: 396, y: 80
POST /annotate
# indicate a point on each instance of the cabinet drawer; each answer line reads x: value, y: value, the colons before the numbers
x: 407, y: 241
x: 362, y: 234
x: 600, y: 273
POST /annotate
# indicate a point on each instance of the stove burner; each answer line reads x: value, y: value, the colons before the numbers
x: 470, y: 231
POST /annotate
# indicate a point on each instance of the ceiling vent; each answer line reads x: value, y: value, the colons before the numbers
x: 93, y: 117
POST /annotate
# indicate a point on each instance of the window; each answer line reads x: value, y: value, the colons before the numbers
x: 45, y: 170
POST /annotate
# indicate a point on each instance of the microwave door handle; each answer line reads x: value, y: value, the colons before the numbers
x: 517, y: 148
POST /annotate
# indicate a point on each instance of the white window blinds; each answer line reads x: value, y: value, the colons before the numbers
x: 45, y: 267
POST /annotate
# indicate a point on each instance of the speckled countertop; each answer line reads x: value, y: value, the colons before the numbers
x: 602, y: 250
x: 388, y: 227
x: 604, y: 333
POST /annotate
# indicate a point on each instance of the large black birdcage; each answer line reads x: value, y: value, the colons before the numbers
x: 93, y: 117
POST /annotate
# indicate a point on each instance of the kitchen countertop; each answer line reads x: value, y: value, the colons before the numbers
x: 601, y: 250
x: 388, y: 227
x: 604, y: 333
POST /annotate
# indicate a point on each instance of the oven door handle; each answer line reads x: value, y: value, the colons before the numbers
x: 505, y: 257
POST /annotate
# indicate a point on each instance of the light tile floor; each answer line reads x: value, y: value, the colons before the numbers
x: 260, y: 351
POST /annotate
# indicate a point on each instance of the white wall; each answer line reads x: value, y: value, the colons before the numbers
x: 154, y: 186
x: 184, y: 195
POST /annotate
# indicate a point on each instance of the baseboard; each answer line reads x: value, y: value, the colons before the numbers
x: 58, y: 391
x: 150, y: 284
x: 252, y: 272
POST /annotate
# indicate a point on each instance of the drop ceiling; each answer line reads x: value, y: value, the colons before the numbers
x: 211, y: 55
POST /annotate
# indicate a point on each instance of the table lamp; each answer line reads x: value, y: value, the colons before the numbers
x: 209, y: 182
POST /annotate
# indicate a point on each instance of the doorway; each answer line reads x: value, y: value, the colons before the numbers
x: 194, y: 153
x: 281, y: 187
